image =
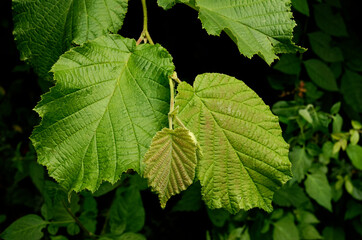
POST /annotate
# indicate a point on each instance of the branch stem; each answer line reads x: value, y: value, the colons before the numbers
x: 85, y: 230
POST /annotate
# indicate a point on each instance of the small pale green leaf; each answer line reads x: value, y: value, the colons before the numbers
x: 335, y: 108
x: 354, y: 136
x: 351, y: 88
x: 245, y: 158
x: 45, y: 29
x: 301, y: 162
x: 306, y: 115
x: 321, y: 45
x: 261, y: 27
x: 171, y: 162
x: 301, y: 6
x: 356, y: 125
x: 318, y: 188
x: 110, y: 99
x: 28, y: 227
x: 321, y: 74
x: 337, y: 123
x: 285, y: 229
x: 289, y: 64
x: 354, y: 153
x: 329, y: 22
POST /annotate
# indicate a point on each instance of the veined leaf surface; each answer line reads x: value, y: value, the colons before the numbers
x: 45, y: 29
x: 262, y: 27
x: 110, y: 99
x: 245, y: 158
x: 171, y: 162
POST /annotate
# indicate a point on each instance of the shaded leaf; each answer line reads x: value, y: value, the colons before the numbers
x: 308, y: 231
x: 321, y: 44
x: 110, y: 98
x: 306, y: 217
x: 45, y: 29
x: 351, y: 88
x: 329, y: 22
x: 333, y: 233
x: 244, y: 155
x: 301, y: 6
x: 301, y: 162
x: 28, y: 227
x: 191, y: 199
x: 285, y: 229
x: 290, y: 196
x: 289, y: 64
x: 126, y: 213
x: 321, y: 74
x: 171, y: 162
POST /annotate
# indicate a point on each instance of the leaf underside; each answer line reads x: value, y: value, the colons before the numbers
x: 45, y: 29
x: 171, y: 162
x: 245, y: 158
x: 110, y: 99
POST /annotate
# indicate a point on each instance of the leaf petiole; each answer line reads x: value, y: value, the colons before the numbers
x: 145, y: 35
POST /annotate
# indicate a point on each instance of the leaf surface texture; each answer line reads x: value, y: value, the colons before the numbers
x: 45, y: 29
x: 245, y: 158
x: 261, y: 27
x: 110, y: 99
x: 171, y: 162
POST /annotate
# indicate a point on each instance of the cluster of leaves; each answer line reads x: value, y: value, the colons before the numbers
x: 322, y: 124
x: 112, y: 98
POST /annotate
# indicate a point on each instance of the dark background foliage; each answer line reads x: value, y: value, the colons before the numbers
x: 194, y: 52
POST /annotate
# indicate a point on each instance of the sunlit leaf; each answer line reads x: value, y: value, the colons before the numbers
x: 245, y: 158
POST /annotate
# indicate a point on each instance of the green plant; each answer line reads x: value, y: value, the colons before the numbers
x: 107, y: 114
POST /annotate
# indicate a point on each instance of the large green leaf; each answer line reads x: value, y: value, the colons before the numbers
x: 28, y: 227
x: 262, y: 27
x: 110, y: 99
x: 171, y: 162
x: 45, y: 29
x: 245, y: 158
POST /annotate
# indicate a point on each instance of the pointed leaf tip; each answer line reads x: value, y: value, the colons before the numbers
x: 170, y: 162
